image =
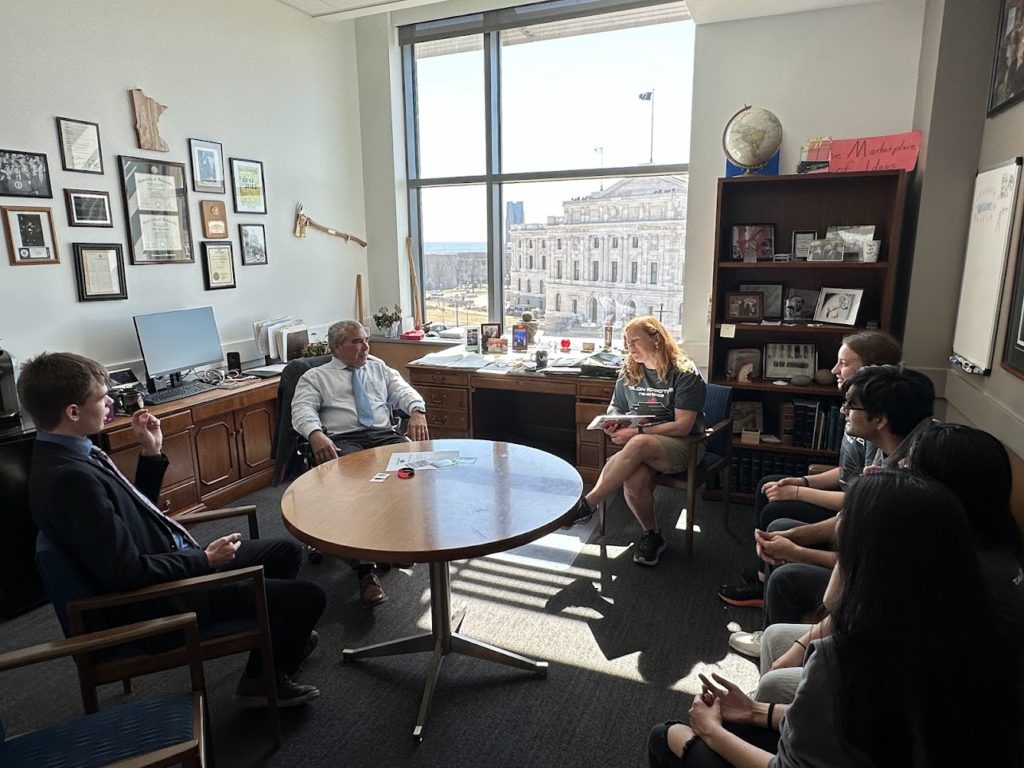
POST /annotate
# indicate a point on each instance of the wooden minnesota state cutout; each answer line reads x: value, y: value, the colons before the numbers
x: 147, y: 114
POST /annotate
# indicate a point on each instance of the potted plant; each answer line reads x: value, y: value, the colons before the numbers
x: 387, y: 321
x: 531, y: 327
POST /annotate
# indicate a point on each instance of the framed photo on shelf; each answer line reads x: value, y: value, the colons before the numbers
x: 24, y: 174
x: 772, y: 298
x: 207, y: 166
x: 253, y: 239
x: 747, y: 415
x: 88, y: 208
x: 826, y: 250
x: 784, y: 361
x: 802, y: 239
x: 800, y: 304
x: 218, y: 266
x: 31, y: 238
x: 489, y: 331
x: 753, y: 242
x: 472, y: 339
x: 1007, y: 86
x: 1013, y: 350
x: 247, y: 183
x: 79, y: 145
x: 99, y: 271
x: 743, y: 365
x: 215, y: 222
x: 156, y: 211
x: 745, y: 307
x: 838, y: 305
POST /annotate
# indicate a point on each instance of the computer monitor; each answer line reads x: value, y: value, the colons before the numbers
x: 176, y: 341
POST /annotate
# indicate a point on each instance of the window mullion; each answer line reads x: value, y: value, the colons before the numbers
x: 492, y: 124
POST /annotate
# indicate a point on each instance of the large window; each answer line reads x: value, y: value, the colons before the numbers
x: 522, y: 129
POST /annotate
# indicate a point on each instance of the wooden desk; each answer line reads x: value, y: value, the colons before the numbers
x: 545, y: 411
x: 511, y: 495
x: 219, y: 443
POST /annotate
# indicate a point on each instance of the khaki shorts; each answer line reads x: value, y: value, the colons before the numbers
x: 678, y: 451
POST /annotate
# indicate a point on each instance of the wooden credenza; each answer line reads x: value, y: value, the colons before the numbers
x: 536, y: 409
x: 219, y: 444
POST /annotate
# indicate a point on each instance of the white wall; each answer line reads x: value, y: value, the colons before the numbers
x: 261, y: 78
x: 842, y: 72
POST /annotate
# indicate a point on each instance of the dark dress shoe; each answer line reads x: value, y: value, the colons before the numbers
x: 251, y: 692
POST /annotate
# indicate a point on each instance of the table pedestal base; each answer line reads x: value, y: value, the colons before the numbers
x: 442, y: 641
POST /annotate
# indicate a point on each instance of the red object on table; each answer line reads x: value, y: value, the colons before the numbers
x: 415, y: 334
x: 565, y: 345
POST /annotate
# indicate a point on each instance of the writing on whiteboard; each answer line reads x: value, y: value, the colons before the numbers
x: 875, y: 153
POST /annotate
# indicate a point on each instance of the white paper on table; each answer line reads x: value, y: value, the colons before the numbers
x: 422, y: 459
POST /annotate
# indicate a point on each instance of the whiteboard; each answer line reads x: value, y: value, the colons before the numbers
x: 988, y: 246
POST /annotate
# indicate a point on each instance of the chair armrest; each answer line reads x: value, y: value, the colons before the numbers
x: 77, y: 608
x: 725, y: 423
x: 105, y: 638
x: 249, y: 511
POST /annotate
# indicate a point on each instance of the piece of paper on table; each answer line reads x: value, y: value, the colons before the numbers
x: 420, y: 459
x: 380, y: 477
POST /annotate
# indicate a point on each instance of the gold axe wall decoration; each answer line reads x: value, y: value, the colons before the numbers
x: 302, y: 221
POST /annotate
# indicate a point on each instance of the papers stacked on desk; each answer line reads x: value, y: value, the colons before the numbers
x: 281, y: 338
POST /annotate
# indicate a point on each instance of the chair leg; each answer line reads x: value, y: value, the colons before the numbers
x: 600, y: 517
x: 691, y: 516
x: 126, y: 685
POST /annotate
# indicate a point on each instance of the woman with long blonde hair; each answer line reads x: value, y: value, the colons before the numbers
x: 658, y: 381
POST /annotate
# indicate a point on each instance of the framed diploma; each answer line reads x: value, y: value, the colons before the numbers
x: 247, y: 183
x: 79, y: 145
x: 30, y: 235
x: 218, y: 266
x: 254, y: 244
x: 88, y: 208
x: 207, y: 166
x: 99, y: 271
x: 215, y: 223
x: 156, y: 211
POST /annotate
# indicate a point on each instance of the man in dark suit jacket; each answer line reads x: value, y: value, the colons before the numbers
x: 117, y: 534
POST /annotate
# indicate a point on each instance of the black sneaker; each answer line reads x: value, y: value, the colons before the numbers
x: 750, y: 575
x: 649, y: 548
x: 251, y: 692
x: 583, y: 512
x: 748, y: 595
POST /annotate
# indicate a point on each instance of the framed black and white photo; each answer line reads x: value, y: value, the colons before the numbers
x: 744, y: 307
x: 838, y: 305
x: 753, y: 242
x: 218, y: 266
x: 250, y: 194
x: 802, y: 239
x: 772, y: 298
x: 786, y: 360
x: 88, y: 208
x: 207, y: 166
x: 800, y: 304
x: 79, y: 145
x: 253, y: 239
x: 743, y: 365
x: 99, y: 271
x: 826, y: 250
x: 1007, y: 85
x: 156, y: 211
x: 24, y: 174
x: 31, y: 238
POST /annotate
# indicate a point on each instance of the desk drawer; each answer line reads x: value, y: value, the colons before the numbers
x: 585, y: 412
x: 444, y: 397
x: 597, y: 390
x: 178, y: 500
x: 440, y: 433
x: 441, y: 417
x: 124, y: 438
x: 434, y: 376
x: 588, y: 455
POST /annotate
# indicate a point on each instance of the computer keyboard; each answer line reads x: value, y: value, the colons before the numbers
x: 177, y: 393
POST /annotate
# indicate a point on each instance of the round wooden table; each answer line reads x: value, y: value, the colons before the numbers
x: 510, y: 495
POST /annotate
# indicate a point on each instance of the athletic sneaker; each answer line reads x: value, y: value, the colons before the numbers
x: 746, y: 595
x: 648, y: 549
x: 747, y: 643
x: 583, y: 512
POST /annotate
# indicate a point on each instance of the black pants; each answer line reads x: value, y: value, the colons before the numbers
x: 697, y: 754
x: 794, y: 592
x: 294, y: 606
x: 767, y: 512
x: 352, y: 442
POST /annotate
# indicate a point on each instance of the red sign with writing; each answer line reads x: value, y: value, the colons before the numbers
x: 875, y: 153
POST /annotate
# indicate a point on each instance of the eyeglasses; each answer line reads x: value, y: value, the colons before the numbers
x: 846, y: 408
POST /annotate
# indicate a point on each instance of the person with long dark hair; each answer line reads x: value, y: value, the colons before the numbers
x: 658, y: 381
x: 905, y: 679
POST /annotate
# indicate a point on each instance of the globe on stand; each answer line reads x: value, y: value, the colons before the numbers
x: 751, y: 137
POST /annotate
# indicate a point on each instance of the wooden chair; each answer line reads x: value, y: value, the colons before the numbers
x: 159, y: 730
x: 717, y: 440
x: 75, y: 596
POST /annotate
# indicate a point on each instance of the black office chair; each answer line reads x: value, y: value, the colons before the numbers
x: 291, y: 459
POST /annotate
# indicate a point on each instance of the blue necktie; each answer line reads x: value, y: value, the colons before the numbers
x: 363, y: 409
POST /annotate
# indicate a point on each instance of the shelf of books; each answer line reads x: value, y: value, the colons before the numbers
x: 801, y: 262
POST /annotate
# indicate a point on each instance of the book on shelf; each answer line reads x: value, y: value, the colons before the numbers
x: 786, y: 422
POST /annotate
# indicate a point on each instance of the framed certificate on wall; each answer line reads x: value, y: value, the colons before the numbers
x: 156, y: 211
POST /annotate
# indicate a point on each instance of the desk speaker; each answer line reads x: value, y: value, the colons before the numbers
x: 234, y: 362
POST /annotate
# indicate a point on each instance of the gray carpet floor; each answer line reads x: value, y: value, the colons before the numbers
x: 625, y: 645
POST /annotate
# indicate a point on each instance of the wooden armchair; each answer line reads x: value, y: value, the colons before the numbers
x: 163, y: 730
x: 717, y: 440
x: 75, y: 596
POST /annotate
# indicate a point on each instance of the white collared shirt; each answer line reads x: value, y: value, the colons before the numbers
x: 323, y: 397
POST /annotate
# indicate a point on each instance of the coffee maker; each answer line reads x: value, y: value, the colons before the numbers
x: 10, y: 410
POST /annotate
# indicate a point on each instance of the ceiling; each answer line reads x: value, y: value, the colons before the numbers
x: 702, y: 11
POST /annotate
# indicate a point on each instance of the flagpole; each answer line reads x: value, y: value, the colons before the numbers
x: 651, y: 159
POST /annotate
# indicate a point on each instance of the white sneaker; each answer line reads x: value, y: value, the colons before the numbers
x: 747, y: 643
